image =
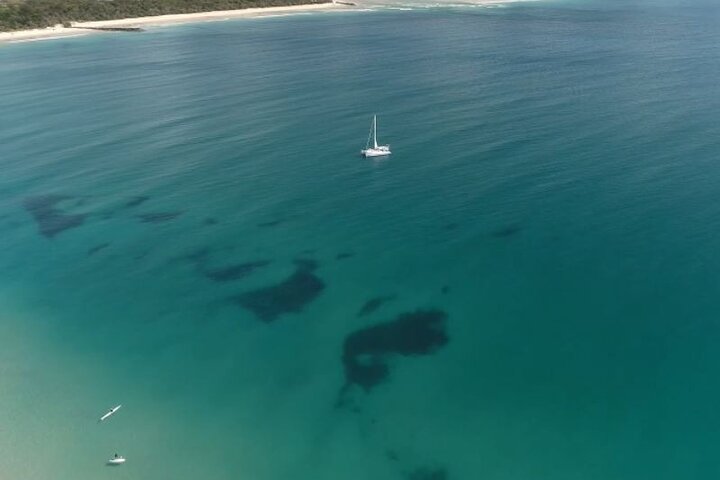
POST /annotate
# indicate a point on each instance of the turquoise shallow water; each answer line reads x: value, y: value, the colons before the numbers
x: 551, y: 192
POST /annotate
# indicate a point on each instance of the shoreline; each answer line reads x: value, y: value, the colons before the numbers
x: 79, y: 29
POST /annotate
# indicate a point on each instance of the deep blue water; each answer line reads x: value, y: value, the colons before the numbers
x: 526, y: 289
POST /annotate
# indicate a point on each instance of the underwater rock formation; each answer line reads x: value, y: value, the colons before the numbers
x: 373, y: 304
x: 235, y: 272
x: 50, y: 219
x: 158, y: 217
x: 366, y: 351
x: 289, y: 296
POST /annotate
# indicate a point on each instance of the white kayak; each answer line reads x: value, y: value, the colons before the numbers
x: 116, y: 461
x: 110, y: 412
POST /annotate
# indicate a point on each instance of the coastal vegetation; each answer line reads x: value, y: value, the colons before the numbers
x: 27, y: 14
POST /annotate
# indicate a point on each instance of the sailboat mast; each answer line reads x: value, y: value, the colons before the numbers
x: 375, y: 131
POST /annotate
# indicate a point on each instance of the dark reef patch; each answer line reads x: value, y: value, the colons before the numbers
x: 197, y: 256
x: 344, y: 255
x: 210, y: 221
x: 452, y: 226
x: 97, y: 248
x: 445, y: 290
x: 392, y: 455
x: 235, y: 272
x: 158, y: 217
x: 507, y: 231
x: 289, y: 296
x: 373, y: 304
x: 306, y: 264
x: 269, y: 224
x: 427, y: 473
x: 135, y: 201
x: 366, y: 351
x: 49, y: 218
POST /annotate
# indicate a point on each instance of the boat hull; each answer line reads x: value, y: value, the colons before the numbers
x: 376, y: 152
x: 110, y: 412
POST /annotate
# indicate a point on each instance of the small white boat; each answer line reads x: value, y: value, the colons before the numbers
x: 372, y: 149
x: 110, y: 412
x: 116, y: 460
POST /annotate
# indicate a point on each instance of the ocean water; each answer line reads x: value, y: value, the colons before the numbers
x: 526, y: 289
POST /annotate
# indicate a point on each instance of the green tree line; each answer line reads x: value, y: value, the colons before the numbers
x: 21, y: 15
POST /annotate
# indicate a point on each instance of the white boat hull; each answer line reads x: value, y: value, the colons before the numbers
x: 376, y: 152
x: 110, y: 412
x: 116, y: 461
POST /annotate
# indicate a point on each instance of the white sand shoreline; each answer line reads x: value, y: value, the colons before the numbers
x: 77, y: 30
x: 80, y: 29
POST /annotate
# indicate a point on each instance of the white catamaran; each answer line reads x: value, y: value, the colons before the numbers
x: 372, y: 149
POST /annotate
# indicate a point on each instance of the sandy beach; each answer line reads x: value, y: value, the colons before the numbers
x: 79, y: 29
